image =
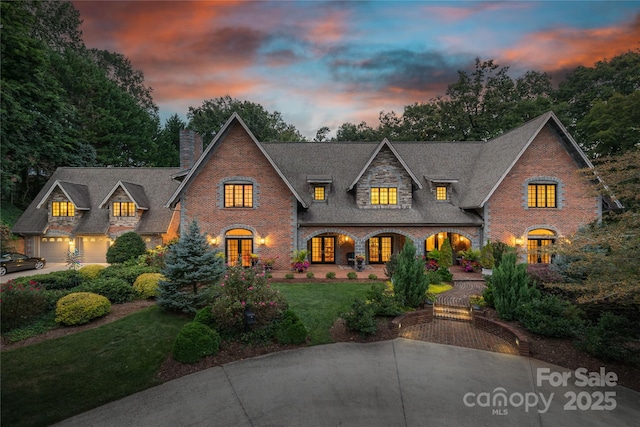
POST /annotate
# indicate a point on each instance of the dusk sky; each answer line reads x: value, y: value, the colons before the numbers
x: 325, y: 63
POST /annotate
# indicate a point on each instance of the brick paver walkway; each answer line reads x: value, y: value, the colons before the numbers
x: 461, y: 334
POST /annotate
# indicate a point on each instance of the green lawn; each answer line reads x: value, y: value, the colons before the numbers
x: 319, y: 304
x: 53, y: 380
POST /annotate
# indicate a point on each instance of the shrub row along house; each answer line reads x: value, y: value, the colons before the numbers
x: 336, y: 199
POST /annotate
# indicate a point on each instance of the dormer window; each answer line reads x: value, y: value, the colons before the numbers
x: 384, y: 196
x: 63, y: 209
x: 441, y: 193
x: 319, y: 193
x: 124, y: 209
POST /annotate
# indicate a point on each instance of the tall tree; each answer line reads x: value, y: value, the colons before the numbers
x: 265, y: 126
x: 168, y: 143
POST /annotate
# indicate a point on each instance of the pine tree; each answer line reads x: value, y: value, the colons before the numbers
x: 191, y: 267
x: 409, y: 280
x: 511, y: 287
x: 446, y: 254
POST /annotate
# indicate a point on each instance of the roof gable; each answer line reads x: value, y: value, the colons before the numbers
x: 385, y: 143
x: 220, y: 136
x: 500, y: 155
x: 76, y: 193
x: 135, y: 192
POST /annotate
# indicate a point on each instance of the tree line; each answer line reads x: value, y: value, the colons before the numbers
x: 63, y: 104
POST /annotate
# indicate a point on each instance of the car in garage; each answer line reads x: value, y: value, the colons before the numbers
x: 13, y: 261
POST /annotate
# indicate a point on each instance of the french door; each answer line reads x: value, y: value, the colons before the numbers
x: 239, y: 250
x: 537, y: 251
x: 323, y: 250
x: 380, y: 249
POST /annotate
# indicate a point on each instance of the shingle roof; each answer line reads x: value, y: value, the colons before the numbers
x: 134, y: 191
x: 99, y: 182
x: 76, y: 193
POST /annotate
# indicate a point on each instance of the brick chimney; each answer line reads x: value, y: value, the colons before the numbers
x: 190, y: 148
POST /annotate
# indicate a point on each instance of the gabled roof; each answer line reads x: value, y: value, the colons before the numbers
x: 220, y: 136
x: 385, y: 143
x: 500, y: 154
x: 76, y: 193
x: 134, y: 191
x: 100, y: 182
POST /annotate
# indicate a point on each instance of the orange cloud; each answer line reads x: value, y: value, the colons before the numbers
x: 330, y: 29
x: 564, y: 48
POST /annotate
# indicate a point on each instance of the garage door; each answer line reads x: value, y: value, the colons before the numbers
x: 54, y: 249
x: 94, y: 249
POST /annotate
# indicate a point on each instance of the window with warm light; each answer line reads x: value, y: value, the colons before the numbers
x: 541, y: 195
x: 384, y: 196
x: 441, y: 192
x: 238, y: 195
x: 63, y: 209
x: 319, y: 193
x: 123, y: 209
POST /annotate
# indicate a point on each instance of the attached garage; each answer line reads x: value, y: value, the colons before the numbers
x: 54, y: 249
x: 93, y: 249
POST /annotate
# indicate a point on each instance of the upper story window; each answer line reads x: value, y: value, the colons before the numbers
x: 123, y: 209
x: 441, y: 192
x: 384, y: 196
x: 541, y: 195
x: 238, y: 195
x: 63, y: 209
x: 319, y: 193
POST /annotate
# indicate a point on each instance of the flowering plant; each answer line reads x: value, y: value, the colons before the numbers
x: 432, y: 265
x: 470, y: 266
x: 360, y: 257
x: 20, y: 303
x: 246, y: 288
x: 254, y: 256
x: 300, y: 266
x: 269, y: 262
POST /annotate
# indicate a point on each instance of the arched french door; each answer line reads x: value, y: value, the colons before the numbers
x: 238, y: 246
x: 539, y: 242
x: 458, y: 242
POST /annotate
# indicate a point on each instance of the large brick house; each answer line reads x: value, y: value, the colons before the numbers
x: 336, y: 199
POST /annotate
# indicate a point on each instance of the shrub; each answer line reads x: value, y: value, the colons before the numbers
x: 195, y: 341
x: 487, y: 260
x: 542, y: 273
x: 361, y: 318
x: 205, y: 316
x: 290, y: 329
x: 331, y: 275
x: 128, y: 273
x: 146, y: 285
x: 191, y: 269
x: 373, y: 277
x: 511, y: 287
x: 446, y: 254
x: 445, y: 274
x: 127, y: 246
x: 487, y: 294
x: 391, y: 266
x: 352, y: 275
x: 477, y: 300
x: 310, y: 275
x: 116, y: 290
x: 89, y: 272
x: 551, y: 316
x: 383, y: 301
x: 21, y: 304
x: 81, y: 307
x: 289, y: 276
x: 609, y: 339
x: 409, y: 281
x: 64, y: 279
x: 242, y: 289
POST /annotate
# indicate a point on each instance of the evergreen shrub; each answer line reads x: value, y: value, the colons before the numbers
x: 609, y: 339
x: 116, y: 290
x: 331, y: 275
x: 409, y: 280
x: 551, y: 316
x: 128, y: 273
x: 290, y: 329
x: 383, y: 301
x: 511, y: 287
x: 81, y: 307
x: 195, y: 341
x: 352, y: 275
x: 146, y: 285
x: 127, y: 246
x: 361, y: 318
x: 92, y: 271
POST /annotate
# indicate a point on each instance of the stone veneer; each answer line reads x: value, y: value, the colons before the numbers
x: 384, y: 171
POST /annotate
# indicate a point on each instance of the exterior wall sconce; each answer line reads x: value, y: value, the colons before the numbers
x: 262, y: 240
x: 213, y: 241
x: 519, y: 241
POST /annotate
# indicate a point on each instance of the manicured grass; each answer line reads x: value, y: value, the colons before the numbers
x: 320, y: 304
x: 438, y: 288
x: 53, y: 380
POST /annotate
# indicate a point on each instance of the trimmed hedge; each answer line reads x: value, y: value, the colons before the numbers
x: 125, y: 272
x: 116, y: 290
x: 195, y: 341
x: 146, y: 285
x: 91, y: 271
x: 81, y: 307
x: 290, y: 329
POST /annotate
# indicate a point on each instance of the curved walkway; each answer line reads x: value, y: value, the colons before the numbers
x: 389, y: 383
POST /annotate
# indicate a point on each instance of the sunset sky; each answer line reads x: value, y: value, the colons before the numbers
x: 325, y: 63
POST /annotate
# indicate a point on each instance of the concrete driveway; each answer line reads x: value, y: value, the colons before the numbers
x: 391, y: 383
x: 48, y: 268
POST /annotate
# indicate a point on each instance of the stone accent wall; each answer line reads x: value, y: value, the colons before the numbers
x: 127, y: 222
x: 274, y: 216
x: 545, y: 157
x: 62, y: 222
x: 384, y: 171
